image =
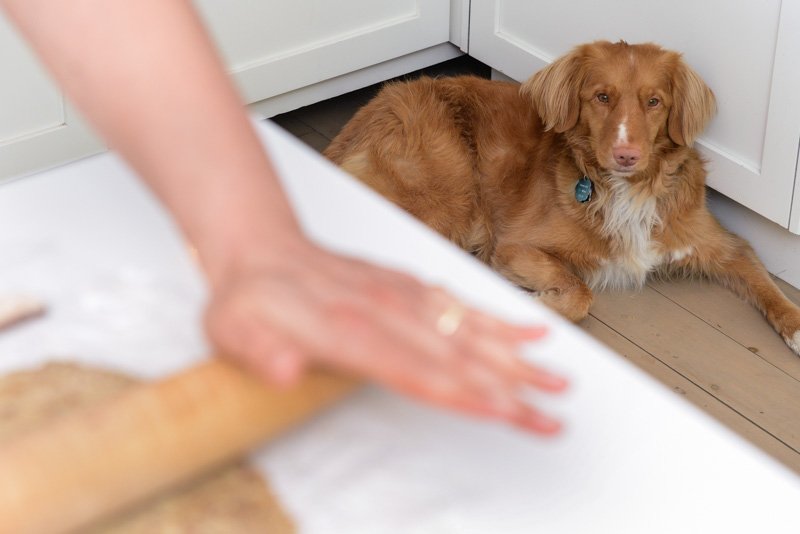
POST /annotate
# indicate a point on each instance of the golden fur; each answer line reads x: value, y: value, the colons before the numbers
x: 493, y: 167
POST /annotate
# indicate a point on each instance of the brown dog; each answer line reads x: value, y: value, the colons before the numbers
x: 582, y: 177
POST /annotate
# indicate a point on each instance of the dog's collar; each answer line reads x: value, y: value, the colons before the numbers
x: 583, y: 189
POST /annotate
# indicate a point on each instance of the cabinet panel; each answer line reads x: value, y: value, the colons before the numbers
x: 30, y: 101
x: 37, y: 128
x: 459, y: 24
x: 275, y: 47
x: 250, y: 33
x: 740, y: 49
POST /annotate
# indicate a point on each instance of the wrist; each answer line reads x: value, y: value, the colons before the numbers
x: 249, y: 251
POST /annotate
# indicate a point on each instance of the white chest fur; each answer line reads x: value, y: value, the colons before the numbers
x: 629, y: 216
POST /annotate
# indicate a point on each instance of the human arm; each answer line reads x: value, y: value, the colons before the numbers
x: 147, y: 75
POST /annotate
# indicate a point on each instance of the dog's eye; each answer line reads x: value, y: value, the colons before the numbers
x: 653, y: 102
x: 602, y: 97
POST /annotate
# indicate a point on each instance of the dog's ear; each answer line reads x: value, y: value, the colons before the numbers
x: 693, y: 105
x: 555, y: 92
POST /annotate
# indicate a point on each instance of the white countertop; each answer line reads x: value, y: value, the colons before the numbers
x: 122, y: 292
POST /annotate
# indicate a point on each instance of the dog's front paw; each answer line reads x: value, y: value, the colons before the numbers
x: 573, y: 304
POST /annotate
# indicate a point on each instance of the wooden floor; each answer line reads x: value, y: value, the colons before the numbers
x: 696, y: 338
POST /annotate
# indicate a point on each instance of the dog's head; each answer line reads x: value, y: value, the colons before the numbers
x: 624, y: 99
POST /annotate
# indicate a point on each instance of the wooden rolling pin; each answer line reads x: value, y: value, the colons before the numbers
x: 97, y: 462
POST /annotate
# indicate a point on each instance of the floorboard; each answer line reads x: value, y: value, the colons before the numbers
x: 693, y: 393
x: 724, y: 311
x: 762, y: 393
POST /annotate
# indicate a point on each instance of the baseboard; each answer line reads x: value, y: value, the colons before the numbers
x: 778, y: 248
x: 500, y: 77
x: 354, y: 80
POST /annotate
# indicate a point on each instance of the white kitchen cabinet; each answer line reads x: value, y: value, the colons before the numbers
x: 746, y: 52
x: 276, y: 47
x: 38, y: 128
x: 273, y: 49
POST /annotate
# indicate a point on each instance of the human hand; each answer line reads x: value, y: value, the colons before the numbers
x: 302, y: 305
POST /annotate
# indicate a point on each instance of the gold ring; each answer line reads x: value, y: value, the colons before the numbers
x: 450, y: 320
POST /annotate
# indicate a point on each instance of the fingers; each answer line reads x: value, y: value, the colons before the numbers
x: 487, y: 339
x: 486, y: 323
x: 503, y: 354
x: 280, y: 366
x: 276, y: 359
x: 492, y: 348
x: 470, y: 369
x: 263, y: 351
x: 451, y: 393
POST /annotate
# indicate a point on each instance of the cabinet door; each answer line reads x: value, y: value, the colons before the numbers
x: 276, y: 47
x: 744, y: 50
x: 38, y: 129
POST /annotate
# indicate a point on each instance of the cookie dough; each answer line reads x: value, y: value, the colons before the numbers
x: 232, y: 501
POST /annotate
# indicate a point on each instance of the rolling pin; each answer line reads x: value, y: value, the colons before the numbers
x: 93, y: 463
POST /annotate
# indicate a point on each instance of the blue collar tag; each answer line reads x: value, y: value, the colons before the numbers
x: 583, y: 190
